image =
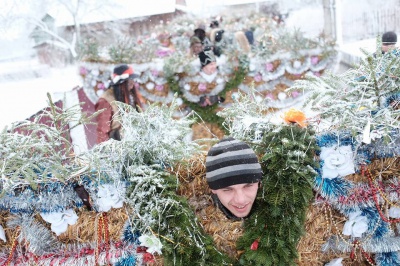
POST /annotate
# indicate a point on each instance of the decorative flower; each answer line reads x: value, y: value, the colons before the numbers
x: 159, y: 87
x: 269, y: 67
x: 202, y: 87
x: 296, y: 64
x: 152, y: 243
x: 335, y: 262
x: 258, y: 77
x: 150, y: 86
x: 95, y: 72
x: 101, y: 86
x: 338, y: 161
x: 83, y: 71
x: 154, y: 72
x: 186, y: 87
x: 295, y: 94
x: 2, y: 234
x: 60, y: 220
x: 270, y: 96
x: 394, y: 212
x: 108, y: 197
x: 179, y: 101
x: 258, y: 99
x: 314, y: 60
x: 295, y: 116
x: 317, y: 74
x: 356, y: 225
x: 282, y: 96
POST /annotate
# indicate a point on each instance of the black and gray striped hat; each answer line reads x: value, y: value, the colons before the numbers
x: 231, y: 162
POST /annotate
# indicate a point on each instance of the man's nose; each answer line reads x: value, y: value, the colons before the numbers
x: 240, y: 197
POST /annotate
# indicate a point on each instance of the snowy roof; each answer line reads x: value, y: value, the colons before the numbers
x: 113, y: 10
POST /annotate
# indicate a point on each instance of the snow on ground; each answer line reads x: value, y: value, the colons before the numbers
x: 21, y: 98
x: 25, y: 83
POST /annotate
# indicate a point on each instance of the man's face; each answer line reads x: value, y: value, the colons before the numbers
x: 387, y: 47
x: 210, y: 68
x: 238, y: 199
x: 197, y: 48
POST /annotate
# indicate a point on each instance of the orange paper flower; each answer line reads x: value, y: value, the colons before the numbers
x: 295, y: 116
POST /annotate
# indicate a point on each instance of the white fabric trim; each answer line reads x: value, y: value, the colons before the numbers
x: 78, y: 135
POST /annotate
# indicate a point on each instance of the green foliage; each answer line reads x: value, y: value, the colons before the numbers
x: 280, y: 213
x: 294, y: 42
x: 159, y: 209
x: 38, y: 151
x: 208, y: 113
x: 123, y: 51
x: 89, y: 50
x: 351, y: 100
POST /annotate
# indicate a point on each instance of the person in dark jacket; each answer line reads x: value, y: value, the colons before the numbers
x: 123, y: 90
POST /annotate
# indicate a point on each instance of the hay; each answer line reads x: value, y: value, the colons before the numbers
x: 206, y: 130
x: 194, y: 187
x: 317, y: 232
x: 84, y: 229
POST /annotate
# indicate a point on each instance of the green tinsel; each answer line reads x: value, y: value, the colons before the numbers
x: 208, y: 113
x: 278, y: 220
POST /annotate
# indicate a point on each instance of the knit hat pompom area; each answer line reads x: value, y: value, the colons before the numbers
x: 231, y: 162
x: 122, y: 73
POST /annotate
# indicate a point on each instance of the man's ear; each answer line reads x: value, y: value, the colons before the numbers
x: 214, y: 191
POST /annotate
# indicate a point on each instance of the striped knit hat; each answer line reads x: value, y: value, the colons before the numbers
x: 231, y: 162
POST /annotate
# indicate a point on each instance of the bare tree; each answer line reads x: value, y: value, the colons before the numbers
x: 21, y: 17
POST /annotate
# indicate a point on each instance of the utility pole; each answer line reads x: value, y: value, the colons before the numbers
x: 333, y: 20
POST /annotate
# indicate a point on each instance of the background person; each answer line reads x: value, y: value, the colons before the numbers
x: 389, y: 40
x: 123, y: 90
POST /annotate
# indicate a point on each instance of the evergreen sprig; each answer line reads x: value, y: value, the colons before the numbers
x: 351, y: 100
x: 208, y: 113
x: 159, y: 210
x: 33, y: 152
x: 278, y: 220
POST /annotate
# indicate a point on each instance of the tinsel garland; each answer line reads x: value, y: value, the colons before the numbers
x: 118, y: 254
x: 208, y: 113
x: 272, y: 232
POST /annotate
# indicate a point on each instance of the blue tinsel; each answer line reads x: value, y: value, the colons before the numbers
x: 127, y: 261
x: 387, y: 259
x: 332, y: 188
x: 128, y: 235
x: 334, y: 139
x: 391, y: 98
x: 48, y: 197
x: 373, y: 217
x: 383, y: 148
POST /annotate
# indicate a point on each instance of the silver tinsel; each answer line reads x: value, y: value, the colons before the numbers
x: 381, y: 245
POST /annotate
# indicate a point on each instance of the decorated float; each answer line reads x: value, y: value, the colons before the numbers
x: 329, y: 193
x: 269, y: 60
